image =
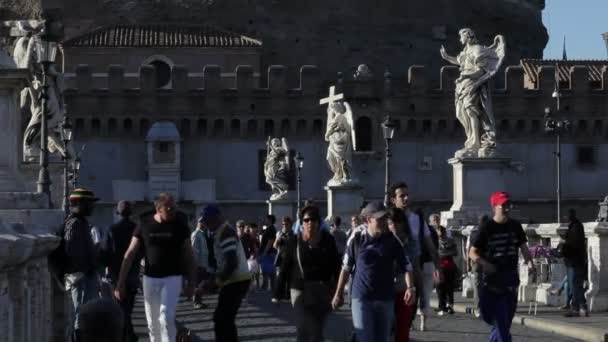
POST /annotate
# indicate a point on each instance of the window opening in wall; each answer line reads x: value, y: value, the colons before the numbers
x: 586, y: 156
x: 128, y: 125
x: 163, y: 147
x: 268, y: 127
x: 363, y: 130
x: 163, y: 73
x: 301, y: 128
x: 317, y: 127
x: 235, y: 127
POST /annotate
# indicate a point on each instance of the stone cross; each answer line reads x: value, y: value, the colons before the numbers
x: 333, y: 97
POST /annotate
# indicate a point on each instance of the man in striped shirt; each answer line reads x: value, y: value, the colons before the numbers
x: 232, y: 274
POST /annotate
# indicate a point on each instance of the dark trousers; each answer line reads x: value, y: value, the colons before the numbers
x: 445, y: 289
x: 127, y: 308
x: 498, y: 302
x: 576, y: 275
x: 228, y: 304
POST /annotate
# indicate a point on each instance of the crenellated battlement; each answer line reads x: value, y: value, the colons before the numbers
x: 243, y: 103
x: 276, y: 81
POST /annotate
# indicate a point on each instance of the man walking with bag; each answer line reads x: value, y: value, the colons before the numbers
x: 496, y: 250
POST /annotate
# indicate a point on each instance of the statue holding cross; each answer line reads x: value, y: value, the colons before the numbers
x: 340, y: 134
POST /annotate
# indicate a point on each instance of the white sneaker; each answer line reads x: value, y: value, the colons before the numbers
x: 476, y: 313
x: 440, y: 313
x: 422, y: 323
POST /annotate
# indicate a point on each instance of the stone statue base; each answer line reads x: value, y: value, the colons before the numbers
x: 344, y: 201
x: 475, y: 179
x: 282, y: 208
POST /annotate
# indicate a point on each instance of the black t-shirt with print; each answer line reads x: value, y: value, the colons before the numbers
x: 499, y: 243
x: 163, y: 243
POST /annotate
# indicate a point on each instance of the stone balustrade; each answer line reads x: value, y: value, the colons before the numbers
x: 26, y: 291
x: 535, y: 288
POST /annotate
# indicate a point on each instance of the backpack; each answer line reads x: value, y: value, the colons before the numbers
x: 357, y: 247
x: 57, y: 258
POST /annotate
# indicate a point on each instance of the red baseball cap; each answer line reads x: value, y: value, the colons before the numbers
x: 499, y: 198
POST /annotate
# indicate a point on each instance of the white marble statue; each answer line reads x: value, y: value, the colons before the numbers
x: 24, y: 56
x: 363, y: 73
x: 478, y: 64
x: 276, y: 167
x: 340, y: 135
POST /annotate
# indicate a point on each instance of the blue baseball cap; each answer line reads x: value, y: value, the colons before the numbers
x: 210, y: 212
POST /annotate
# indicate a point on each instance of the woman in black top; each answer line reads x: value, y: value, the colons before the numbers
x: 312, y: 263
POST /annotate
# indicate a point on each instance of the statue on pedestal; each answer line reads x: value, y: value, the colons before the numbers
x: 24, y: 56
x: 276, y: 167
x: 340, y: 134
x: 478, y: 64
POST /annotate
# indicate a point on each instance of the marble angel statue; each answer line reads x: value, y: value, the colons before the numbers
x: 340, y: 135
x: 478, y: 64
x: 276, y: 167
x: 30, y: 99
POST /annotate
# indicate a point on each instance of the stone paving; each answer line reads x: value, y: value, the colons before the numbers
x: 260, y: 320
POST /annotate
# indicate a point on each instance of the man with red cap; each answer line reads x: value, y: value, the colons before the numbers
x: 496, y: 249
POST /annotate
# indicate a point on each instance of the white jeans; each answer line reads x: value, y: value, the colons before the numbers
x: 160, y: 300
x: 427, y: 288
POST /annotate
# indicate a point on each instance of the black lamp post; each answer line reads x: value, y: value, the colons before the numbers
x: 299, y: 165
x: 66, y: 136
x: 45, y: 51
x: 388, y: 131
x: 557, y: 127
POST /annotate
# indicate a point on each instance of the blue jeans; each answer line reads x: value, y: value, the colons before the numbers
x: 84, y: 290
x: 575, y: 285
x: 372, y: 319
x: 498, y: 302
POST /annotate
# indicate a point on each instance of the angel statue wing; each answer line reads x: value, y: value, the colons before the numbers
x: 498, y: 50
x: 286, y: 148
x: 351, y: 122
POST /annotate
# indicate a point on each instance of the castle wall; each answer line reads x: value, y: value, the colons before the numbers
x: 225, y: 122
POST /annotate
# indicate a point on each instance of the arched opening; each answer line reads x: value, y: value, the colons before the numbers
x: 411, y: 126
x: 426, y: 126
x: 285, y: 127
x: 127, y: 126
x: 268, y: 128
x: 185, y: 128
x: 301, y: 128
x: 218, y: 128
x: 201, y: 127
x: 317, y: 127
x: 252, y: 128
x: 95, y: 127
x: 144, y: 124
x: 235, y: 128
x: 363, y: 131
x: 597, y: 127
x: 112, y: 126
x: 442, y: 126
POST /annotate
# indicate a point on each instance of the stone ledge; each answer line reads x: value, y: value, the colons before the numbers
x: 23, y: 200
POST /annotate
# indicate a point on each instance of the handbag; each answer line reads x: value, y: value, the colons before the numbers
x: 316, y: 295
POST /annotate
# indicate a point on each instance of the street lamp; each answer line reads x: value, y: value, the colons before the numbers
x: 299, y: 165
x: 557, y: 127
x: 388, y: 131
x: 66, y: 136
x: 45, y: 53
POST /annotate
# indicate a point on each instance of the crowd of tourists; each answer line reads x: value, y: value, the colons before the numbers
x: 385, y: 265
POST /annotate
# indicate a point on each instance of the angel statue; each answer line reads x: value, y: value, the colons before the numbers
x: 276, y: 167
x: 478, y: 64
x: 31, y: 100
x: 340, y: 134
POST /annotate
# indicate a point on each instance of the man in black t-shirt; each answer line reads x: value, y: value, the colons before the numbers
x: 166, y: 242
x: 496, y: 250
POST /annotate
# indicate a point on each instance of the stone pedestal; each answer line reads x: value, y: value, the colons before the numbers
x: 281, y: 209
x: 344, y: 201
x: 475, y: 179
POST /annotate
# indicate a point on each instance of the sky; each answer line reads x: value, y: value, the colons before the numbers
x: 582, y: 22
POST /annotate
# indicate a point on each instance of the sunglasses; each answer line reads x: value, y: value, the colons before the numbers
x: 309, y: 219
